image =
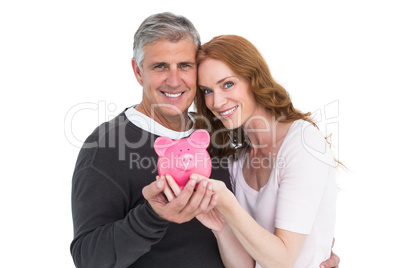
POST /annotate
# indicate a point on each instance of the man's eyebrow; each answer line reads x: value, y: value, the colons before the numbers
x: 187, y: 62
x: 155, y: 63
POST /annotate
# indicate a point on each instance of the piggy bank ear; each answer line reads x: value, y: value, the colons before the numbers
x: 199, y: 139
x: 161, y: 144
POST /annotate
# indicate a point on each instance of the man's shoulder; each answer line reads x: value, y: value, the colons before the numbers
x: 111, y: 135
x: 114, y: 126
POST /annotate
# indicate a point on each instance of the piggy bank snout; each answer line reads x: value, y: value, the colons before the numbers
x: 185, y: 161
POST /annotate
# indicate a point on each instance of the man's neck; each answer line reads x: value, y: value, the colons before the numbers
x: 178, y: 123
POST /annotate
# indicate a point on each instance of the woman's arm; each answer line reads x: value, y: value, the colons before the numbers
x: 280, y: 249
x: 231, y: 250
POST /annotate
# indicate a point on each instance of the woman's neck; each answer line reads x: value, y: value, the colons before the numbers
x: 263, y: 130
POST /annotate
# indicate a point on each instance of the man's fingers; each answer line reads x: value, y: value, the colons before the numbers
x: 332, y: 262
x: 187, y: 202
x: 167, y: 190
x: 173, y: 185
x: 183, y: 204
x: 153, y: 189
x: 199, y: 201
x: 181, y: 201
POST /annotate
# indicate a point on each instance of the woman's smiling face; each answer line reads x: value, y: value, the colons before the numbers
x: 227, y: 94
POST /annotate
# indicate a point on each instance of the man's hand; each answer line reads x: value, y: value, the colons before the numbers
x: 333, y: 261
x: 177, y: 205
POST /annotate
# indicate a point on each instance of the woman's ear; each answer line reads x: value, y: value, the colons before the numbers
x: 137, y: 71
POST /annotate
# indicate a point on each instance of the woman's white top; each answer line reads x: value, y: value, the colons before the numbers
x: 300, y: 195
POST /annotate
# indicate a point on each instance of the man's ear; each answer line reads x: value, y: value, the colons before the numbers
x: 137, y: 71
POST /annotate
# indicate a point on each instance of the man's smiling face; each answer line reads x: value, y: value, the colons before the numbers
x: 168, y: 77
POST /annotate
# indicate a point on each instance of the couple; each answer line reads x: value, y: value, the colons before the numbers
x: 292, y: 207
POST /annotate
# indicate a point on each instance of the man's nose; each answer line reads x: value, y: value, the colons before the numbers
x: 173, y: 80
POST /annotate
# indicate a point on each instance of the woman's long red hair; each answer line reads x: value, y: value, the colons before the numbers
x: 245, y: 60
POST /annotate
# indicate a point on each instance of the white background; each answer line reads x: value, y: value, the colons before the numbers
x: 65, y: 68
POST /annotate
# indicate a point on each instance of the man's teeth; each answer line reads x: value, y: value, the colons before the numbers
x: 229, y: 111
x: 172, y: 95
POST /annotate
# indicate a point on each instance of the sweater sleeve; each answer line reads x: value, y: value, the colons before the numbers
x: 107, y: 233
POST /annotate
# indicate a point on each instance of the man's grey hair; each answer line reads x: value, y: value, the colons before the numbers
x: 163, y: 26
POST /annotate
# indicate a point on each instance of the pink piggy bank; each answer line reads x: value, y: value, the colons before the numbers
x: 181, y: 158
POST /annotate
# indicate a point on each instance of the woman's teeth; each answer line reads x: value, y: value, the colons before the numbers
x: 172, y: 95
x: 229, y: 111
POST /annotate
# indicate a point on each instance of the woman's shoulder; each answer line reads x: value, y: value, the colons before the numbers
x: 304, y: 132
x: 306, y: 140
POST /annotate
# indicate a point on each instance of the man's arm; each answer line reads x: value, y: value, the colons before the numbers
x: 105, y: 233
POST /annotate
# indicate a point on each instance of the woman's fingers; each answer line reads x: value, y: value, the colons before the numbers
x: 198, y: 177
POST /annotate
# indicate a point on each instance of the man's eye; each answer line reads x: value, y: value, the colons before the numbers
x: 159, y: 66
x: 228, y: 84
x: 185, y: 65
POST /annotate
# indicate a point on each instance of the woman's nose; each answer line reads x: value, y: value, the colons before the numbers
x: 219, y: 99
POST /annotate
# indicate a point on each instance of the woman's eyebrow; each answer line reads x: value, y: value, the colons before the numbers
x: 220, y: 81
x: 223, y: 79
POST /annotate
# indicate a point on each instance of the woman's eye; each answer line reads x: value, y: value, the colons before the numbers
x: 207, y: 91
x: 228, y: 84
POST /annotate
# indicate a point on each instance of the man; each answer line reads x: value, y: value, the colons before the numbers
x: 121, y: 216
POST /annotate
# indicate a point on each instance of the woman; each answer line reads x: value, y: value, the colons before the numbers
x: 283, y: 210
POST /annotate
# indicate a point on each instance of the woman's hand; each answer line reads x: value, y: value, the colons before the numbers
x: 225, y: 196
x: 212, y: 220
